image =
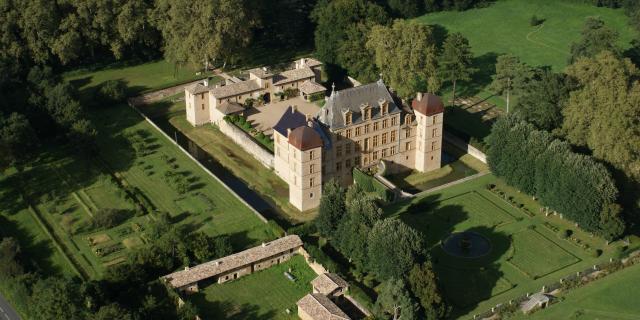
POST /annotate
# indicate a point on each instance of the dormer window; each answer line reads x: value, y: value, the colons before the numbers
x: 367, y: 114
x: 348, y: 118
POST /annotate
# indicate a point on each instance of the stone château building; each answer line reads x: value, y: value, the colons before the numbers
x: 357, y: 127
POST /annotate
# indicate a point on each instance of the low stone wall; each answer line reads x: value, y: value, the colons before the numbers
x: 244, y: 141
x: 474, y: 152
x: 318, y: 268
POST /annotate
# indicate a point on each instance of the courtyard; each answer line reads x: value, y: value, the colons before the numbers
x: 266, y: 294
x: 518, y: 249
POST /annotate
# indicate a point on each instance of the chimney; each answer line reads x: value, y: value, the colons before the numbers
x: 264, y: 244
x: 419, y: 96
x: 294, y: 108
x: 288, y: 132
x: 186, y: 268
x: 264, y: 69
x: 205, y: 81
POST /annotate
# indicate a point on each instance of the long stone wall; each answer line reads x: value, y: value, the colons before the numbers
x: 242, y: 139
x: 474, y: 152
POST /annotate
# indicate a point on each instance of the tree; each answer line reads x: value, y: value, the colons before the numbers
x: 405, y: 8
x: 331, y: 209
x: 9, y: 265
x: 17, y: 135
x: 424, y: 285
x: 205, y: 248
x: 603, y: 112
x: 511, y: 75
x: 56, y: 298
x: 543, y: 98
x: 112, y: 312
x: 406, y: 54
x: 455, y: 60
x: 351, y: 237
x: 611, y: 224
x: 395, y: 300
x: 394, y: 248
x: 596, y: 37
x: 199, y: 32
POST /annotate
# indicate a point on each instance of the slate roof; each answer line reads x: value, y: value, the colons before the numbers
x: 331, y: 114
x: 235, y: 89
x: 319, y: 307
x: 328, y: 282
x: 291, y: 119
x: 428, y: 105
x: 293, y: 75
x: 311, y: 87
x: 234, y: 261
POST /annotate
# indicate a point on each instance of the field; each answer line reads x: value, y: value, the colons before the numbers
x: 503, y: 27
x: 526, y: 250
x: 263, y: 295
x: 242, y: 164
x: 612, y: 298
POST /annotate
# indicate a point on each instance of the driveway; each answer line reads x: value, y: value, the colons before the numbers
x: 6, y: 311
x: 265, y: 117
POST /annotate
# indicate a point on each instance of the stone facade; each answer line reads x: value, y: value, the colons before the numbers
x: 358, y: 127
x: 204, y: 100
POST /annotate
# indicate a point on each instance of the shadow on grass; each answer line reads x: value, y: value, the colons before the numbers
x: 465, y: 281
x: 229, y: 310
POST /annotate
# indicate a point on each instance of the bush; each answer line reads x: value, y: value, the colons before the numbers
x: 108, y: 218
x: 371, y: 184
x: 596, y: 253
x: 305, y: 229
x: 564, y: 234
x: 114, y: 90
x: 535, y: 21
x: 249, y: 102
x: 290, y: 92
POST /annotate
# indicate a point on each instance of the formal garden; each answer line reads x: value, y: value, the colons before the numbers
x: 490, y: 243
x: 264, y: 295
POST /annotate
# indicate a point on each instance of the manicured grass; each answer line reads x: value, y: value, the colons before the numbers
x: 265, y: 294
x: 503, y: 27
x: 525, y: 253
x: 140, y: 77
x: 219, y: 146
x: 610, y: 298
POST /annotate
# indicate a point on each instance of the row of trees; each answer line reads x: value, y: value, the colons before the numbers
x: 573, y: 184
x: 388, y: 248
x: 128, y: 291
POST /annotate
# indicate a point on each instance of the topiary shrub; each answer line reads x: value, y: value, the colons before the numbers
x: 535, y: 21
x: 564, y: 234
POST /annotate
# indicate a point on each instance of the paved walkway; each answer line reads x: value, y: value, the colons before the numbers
x: 6, y: 311
x: 452, y: 183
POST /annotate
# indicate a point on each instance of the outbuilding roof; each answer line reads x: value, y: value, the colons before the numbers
x: 229, y: 107
x: 237, y: 260
x: 319, y: 307
x: 197, y: 88
x: 311, y: 87
x: 427, y: 104
x: 236, y: 89
x: 293, y: 75
x: 327, y: 283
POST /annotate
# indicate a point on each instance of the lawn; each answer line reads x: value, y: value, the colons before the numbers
x: 526, y: 250
x: 503, y: 27
x: 242, y: 164
x: 140, y: 77
x: 611, y: 298
x: 262, y: 295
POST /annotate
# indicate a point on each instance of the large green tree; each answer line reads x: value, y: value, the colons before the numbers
x: 396, y: 302
x: 455, y: 60
x: 543, y: 98
x: 596, y: 37
x: 406, y: 55
x: 342, y: 29
x: 511, y: 76
x: 200, y: 32
x: 331, y: 209
x: 604, y: 112
x: 394, y: 248
x: 57, y: 298
x: 424, y: 285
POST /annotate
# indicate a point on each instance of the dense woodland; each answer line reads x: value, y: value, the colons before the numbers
x: 573, y: 141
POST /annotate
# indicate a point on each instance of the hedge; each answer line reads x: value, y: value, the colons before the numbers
x: 371, y: 184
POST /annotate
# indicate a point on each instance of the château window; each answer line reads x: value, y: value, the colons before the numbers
x: 375, y: 141
x: 408, y: 133
x: 338, y: 136
x: 384, y: 108
x: 367, y: 114
x: 366, y: 128
x: 434, y: 132
x: 433, y: 145
x: 407, y: 119
x: 375, y: 155
x: 434, y: 119
x: 375, y: 126
x: 385, y: 123
x: 202, y: 96
x: 384, y: 152
x: 311, y: 155
x: 310, y: 182
x: 357, y: 131
x: 339, y: 151
x: 394, y: 121
x: 338, y: 166
x: 347, y: 164
x: 203, y: 106
x: 347, y: 148
x: 384, y: 138
x: 311, y: 168
x: 348, y: 133
x: 393, y: 136
x: 366, y: 144
x: 348, y: 118
x: 407, y: 146
x: 393, y: 150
